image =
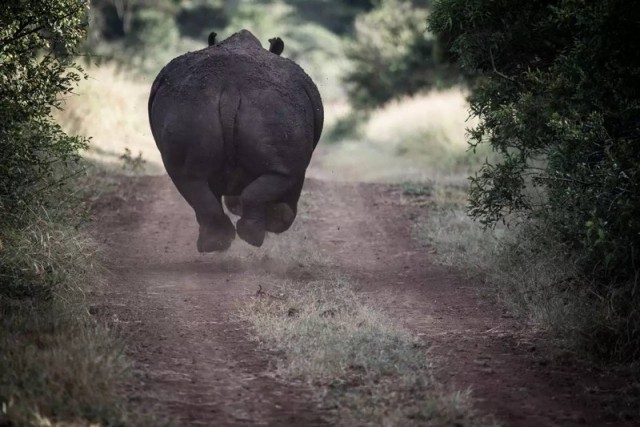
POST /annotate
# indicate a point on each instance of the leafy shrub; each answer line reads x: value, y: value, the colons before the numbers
x: 558, y: 98
x: 392, y: 55
x: 38, y: 40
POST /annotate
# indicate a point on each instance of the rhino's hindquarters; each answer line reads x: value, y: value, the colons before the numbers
x: 260, y: 203
x: 193, y: 156
x: 275, y: 143
x: 263, y: 135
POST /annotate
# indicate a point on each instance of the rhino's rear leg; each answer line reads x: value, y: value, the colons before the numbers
x: 280, y: 216
x: 216, y: 229
x: 256, y: 198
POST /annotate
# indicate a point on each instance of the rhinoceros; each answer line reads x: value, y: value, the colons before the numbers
x: 238, y: 121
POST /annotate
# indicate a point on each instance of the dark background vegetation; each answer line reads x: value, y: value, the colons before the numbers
x: 555, y: 86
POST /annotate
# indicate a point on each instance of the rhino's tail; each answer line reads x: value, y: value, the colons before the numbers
x: 228, y: 106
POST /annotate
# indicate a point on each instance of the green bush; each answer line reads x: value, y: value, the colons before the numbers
x: 393, y: 55
x: 558, y: 97
x: 37, y: 42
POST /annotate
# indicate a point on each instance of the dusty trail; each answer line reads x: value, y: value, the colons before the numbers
x: 195, y: 361
x: 198, y: 364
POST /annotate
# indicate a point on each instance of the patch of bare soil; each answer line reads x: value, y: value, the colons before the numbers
x: 198, y: 364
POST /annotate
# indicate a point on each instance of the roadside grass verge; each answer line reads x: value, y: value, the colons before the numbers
x: 57, y: 364
x: 367, y: 368
x: 526, y: 269
x: 455, y: 238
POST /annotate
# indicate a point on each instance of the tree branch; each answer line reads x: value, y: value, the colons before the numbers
x: 17, y: 35
x: 558, y: 178
x: 495, y: 70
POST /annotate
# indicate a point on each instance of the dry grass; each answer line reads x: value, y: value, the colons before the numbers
x: 415, y: 138
x: 373, y: 371
x: 529, y: 271
x: 111, y: 108
x: 59, y: 366
x: 55, y: 361
x: 457, y: 240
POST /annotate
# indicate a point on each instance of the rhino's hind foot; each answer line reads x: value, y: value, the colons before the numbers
x: 251, y: 232
x: 280, y: 216
x: 215, y: 239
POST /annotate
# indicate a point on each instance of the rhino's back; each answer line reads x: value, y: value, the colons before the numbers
x: 211, y: 70
x: 202, y: 78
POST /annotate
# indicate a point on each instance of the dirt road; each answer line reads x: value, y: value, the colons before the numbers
x: 197, y: 363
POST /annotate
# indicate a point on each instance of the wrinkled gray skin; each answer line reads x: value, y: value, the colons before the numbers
x: 235, y: 120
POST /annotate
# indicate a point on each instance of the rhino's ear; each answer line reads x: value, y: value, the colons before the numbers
x: 276, y: 45
x: 212, y: 38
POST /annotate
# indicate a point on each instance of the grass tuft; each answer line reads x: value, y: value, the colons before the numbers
x: 367, y: 367
x: 58, y: 364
